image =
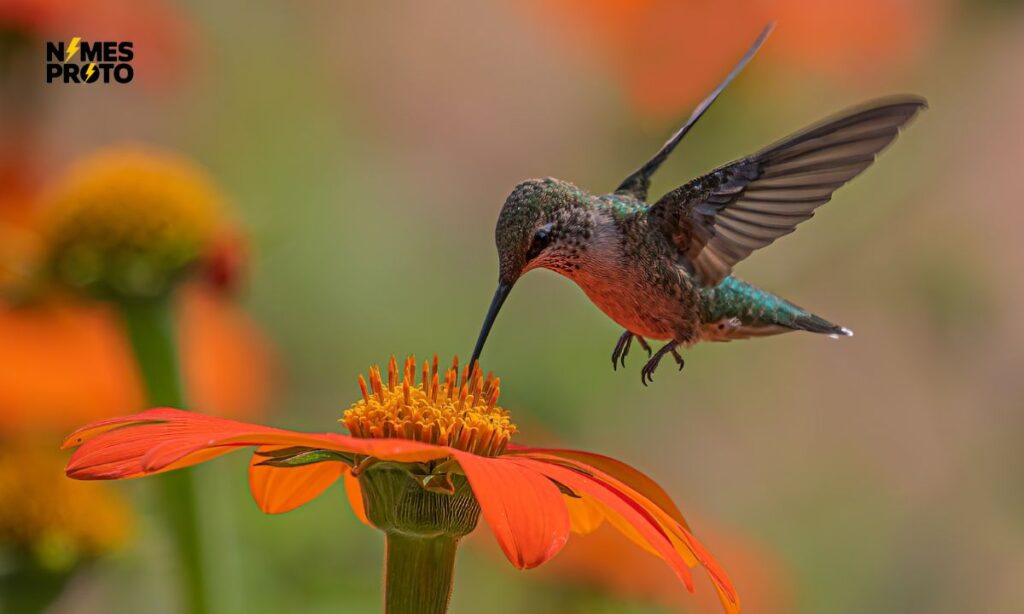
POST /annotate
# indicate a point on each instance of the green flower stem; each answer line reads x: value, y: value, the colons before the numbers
x: 418, y: 573
x: 151, y: 331
x: 422, y: 530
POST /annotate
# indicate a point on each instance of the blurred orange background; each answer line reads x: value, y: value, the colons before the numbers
x: 366, y: 150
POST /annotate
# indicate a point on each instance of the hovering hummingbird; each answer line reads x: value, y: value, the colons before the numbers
x: 663, y: 271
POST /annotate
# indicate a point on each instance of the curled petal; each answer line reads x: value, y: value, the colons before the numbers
x: 630, y: 532
x: 678, y: 533
x: 642, y: 521
x: 282, y: 489
x: 87, y: 432
x: 617, y: 469
x: 723, y: 585
x: 122, y: 447
x: 159, y: 440
x: 640, y: 489
x: 524, y: 509
x: 615, y: 503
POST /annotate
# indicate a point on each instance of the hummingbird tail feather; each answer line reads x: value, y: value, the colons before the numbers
x: 735, y: 309
x: 817, y: 324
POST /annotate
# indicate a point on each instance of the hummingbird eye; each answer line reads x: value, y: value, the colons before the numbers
x: 541, y: 239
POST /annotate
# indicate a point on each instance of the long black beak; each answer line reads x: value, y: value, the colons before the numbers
x: 492, y: 312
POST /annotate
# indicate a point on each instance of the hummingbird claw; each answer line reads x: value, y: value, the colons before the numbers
x: 646, y: 376
x: 647, y: 373
x: 622, y: 349
x: 644, y: 345
x: 679, y: 359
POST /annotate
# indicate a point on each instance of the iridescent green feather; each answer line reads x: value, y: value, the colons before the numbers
x: 734, y: 298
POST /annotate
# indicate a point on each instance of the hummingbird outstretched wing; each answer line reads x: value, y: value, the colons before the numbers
x: 639, y: 181
x: 718, y: 219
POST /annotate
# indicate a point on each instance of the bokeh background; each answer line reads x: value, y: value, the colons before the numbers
x: 366, y: 149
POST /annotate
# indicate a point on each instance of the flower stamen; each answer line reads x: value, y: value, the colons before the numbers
x: 462, y: 412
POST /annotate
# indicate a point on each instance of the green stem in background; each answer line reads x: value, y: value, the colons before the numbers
x: 418, y: 573
x: 151, y: 331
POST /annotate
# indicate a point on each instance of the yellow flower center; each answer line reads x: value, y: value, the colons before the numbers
x: 461, y: 414
x: 128, y: 220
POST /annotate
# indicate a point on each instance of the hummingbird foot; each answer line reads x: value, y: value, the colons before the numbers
x: 679, y: 358
x: 622, y: 348
x: 647, y: 373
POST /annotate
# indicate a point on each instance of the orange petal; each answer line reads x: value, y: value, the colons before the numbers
x: 282, y: 489
x: 89, y: 431
x: 126, y: 447
x: 638, y: 487
x: 618, y: 504
x: 523, y: 508
x: 62, y: 365
x: 629, y: 532
x: 159, y: 440
x: 641, y: 520
x: 678, y: 533
x: 585, y: 514
x: 622, y: 472
x: 723, y: 585
x: 228, y: 366
x: 355, y: 497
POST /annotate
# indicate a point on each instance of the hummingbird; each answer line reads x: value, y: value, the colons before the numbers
x: 663, y: 271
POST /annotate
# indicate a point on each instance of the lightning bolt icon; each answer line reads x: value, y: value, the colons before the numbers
x: 72, y: 48
x: 89, y: 71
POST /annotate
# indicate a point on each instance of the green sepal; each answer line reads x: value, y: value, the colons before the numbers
x: 307, y: 456
x: 397, y: 500
x: 449, y: 466
x: 439, y: 483
x: 283, y: 452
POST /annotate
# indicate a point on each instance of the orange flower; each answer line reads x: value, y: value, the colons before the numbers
x: 448, y: 438
x: 63, y: 362
x: 66, y: 361
x: 668, y: 53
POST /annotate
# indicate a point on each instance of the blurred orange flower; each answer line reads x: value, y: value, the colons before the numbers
x: 66, y: 360
x: 670, y: 53
x: 62, y: 362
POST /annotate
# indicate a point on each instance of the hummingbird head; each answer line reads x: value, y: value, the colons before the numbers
x: 541, y: 225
